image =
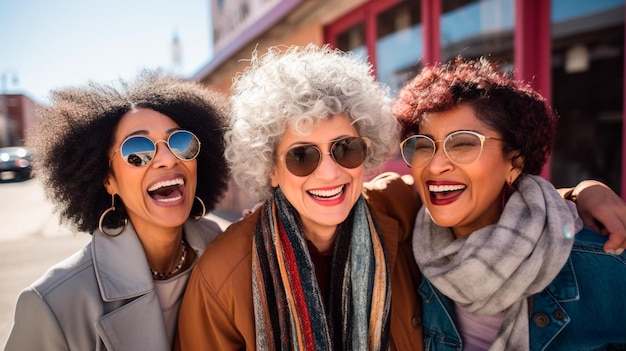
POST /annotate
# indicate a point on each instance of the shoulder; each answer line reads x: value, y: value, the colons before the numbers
x: 590, y: 268
x: 201, y: 232
x: 388, y: 190
x: 66, y: 275
x: 393, y: 196
x: 229, y: 255
x: 388, y: 184
x: 588, y: 249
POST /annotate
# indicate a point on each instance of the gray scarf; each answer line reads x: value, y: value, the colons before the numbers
x: 497, y: 267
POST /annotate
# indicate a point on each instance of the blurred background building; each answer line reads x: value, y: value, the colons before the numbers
x: 572, y: 51
x: 17, y: 115
x: 17, y: 111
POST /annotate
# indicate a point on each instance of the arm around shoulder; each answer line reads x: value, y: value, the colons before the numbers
x: 602, y: 210
x: 395, y: 196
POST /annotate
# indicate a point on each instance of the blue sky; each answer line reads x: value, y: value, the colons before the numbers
x: 52, y: 44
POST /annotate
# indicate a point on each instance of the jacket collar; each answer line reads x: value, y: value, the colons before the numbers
x: 121, y: 266
x: 123, y: 274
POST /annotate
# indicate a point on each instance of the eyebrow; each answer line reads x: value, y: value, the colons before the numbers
x: 299, y: 143
x: 146, y: 132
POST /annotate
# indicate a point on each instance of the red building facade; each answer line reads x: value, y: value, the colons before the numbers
x: 572, y: 51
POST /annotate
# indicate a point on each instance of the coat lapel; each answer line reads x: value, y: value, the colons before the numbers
x: 132, y: 318
x: 118, y: 329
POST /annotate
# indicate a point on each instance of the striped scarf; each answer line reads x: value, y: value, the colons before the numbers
x: 288, y: 306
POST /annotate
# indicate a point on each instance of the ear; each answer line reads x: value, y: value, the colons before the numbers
x: 110, y: 183
x: 516, y: 163
x: 274, y: 177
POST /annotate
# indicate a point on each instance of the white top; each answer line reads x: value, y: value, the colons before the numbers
x: 170, y: 293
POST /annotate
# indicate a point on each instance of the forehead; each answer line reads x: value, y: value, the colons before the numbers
x: 461, y: 117
x: 145, y: 122
x: 322, y: 131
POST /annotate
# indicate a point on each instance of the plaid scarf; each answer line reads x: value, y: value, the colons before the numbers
x: 288, y: 306
x: 497, y: 267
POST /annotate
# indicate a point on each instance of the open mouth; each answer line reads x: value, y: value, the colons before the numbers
x: 445, y: 191
x: 167, y: 190
x: 327, y: 194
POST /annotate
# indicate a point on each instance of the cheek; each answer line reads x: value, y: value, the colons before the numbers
x: 417, y: 177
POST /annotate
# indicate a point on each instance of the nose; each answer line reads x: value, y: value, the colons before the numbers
x: 440, y: 162
x: 328, y: 167
x: 163, y: 156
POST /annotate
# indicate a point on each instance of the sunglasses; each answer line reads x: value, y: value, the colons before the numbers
x: 139, y: 150
x: 349, y: 152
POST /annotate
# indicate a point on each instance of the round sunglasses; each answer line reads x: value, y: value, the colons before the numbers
x: 349, y: 152
x: 139, y: 150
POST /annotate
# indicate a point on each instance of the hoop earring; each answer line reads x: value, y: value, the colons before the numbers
x: 111, y: 209
x: 197, y: 218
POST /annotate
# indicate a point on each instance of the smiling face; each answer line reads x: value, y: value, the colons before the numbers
x: 463, y: 197
x: 158, y: 196
x: 325, y: 197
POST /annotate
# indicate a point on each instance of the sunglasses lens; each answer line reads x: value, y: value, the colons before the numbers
x: 137, y: 151
x: 349, y: 152
x: 185, y: 145
x: 302, y: 160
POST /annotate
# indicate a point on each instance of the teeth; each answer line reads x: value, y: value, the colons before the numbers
x: 327, y: 193
x: 159, y: 185
x: 442, y: 188
x: 170, y: 199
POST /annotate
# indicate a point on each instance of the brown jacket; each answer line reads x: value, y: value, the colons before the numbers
x: 217, y: 310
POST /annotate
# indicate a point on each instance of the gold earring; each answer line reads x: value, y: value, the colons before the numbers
x: 203, y: 209
x: 111, y: 209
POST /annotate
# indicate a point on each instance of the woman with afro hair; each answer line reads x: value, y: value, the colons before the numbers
x: 136, y: 166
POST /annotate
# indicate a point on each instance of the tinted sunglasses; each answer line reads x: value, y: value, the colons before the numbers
x: 349, y: 152
x: 139, y: 150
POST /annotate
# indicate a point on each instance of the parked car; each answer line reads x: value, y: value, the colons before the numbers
x: 15, y: 163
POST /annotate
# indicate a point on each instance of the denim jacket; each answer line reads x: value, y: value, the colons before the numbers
x: 584, y: 308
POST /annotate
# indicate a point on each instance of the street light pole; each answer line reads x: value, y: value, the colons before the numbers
x: 5, y: 121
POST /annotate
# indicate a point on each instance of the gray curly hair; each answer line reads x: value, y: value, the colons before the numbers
x: 299, y: 86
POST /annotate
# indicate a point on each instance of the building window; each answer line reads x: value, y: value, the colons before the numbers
x: 399, y: 45
x: 587, y: 90
x: 475, y: 28
x: 387, y: 33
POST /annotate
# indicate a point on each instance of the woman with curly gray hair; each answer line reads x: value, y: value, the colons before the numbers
x: 123, y: 163
x: 314, y: 266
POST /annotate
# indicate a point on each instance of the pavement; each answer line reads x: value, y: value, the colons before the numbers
x: 32, y: 240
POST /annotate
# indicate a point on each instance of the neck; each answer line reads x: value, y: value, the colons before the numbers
x: 163, y: 249
x: 179, y: 267
x: 322, y: 242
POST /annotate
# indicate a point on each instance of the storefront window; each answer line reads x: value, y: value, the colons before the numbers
x: 399, y: 45
x: 353, y: 39
x: 475, y: 28
x: 587, y: 90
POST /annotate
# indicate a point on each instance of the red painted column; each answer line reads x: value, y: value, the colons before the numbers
x: 623, y: 180
x: 533, y: 49
x: 431, y: 10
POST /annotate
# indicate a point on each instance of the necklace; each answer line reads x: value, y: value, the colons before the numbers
x: 167, y: 275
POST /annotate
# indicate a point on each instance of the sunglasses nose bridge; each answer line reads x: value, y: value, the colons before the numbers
x: 166, y: 147
x: 327, y: 167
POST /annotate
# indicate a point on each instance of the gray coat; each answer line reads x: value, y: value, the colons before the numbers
x: 100, y: 298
